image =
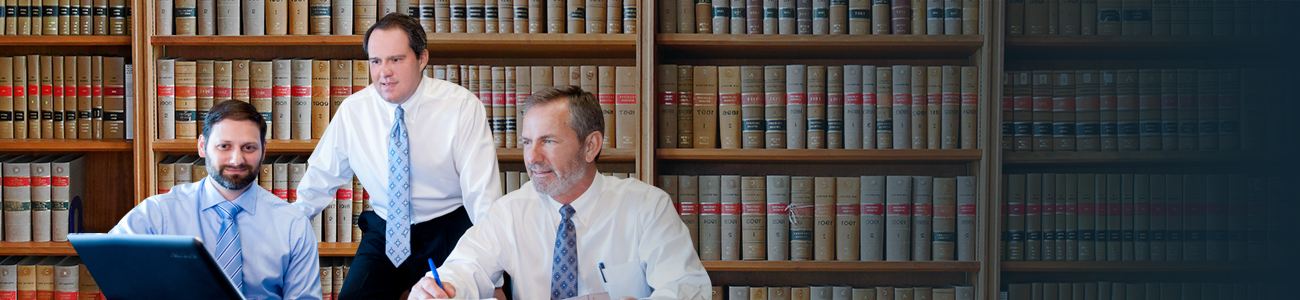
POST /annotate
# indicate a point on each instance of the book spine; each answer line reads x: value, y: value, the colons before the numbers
x: 847, y: 215
x: 18, y: 201
x: 787, y: 15
x: 1127, y: 110
x: 944, y: 233
x: 318, y: 14
x: 1216, y: 217
x: 595, y: 16
x: 1141, y: 217
x: 884, y: 108
x: 729, y: 106
x: 834, y: 107
x: 497, y: 85
x: 685, y: 16
x: 1115, y: 216
x: 364, y: 12
x: 1034, y: 217
x: 340, y: 84
x: 628, y: 116
x: 902, y: 106
x: 934, y: 108
x: 774, y: 108
x: 824, y: 218
x: 40, y: 200
x: 476, y: 16
x: 1188, y: 126
x: 919, y: 109
x: 115, y: 98
x: 753, y: 228
x: 205, y: 16
x: 795, y: 101
x: 282, y: 107
x: 667, y: 129
x: 300, y: 99
x: 801, y: 227
x: 1256, y: 216
x: 1087, y: 109
x: 186, y: 100
x: 751, y: 107
x: 685, y: 106
x: 853, y: 107
x: 1049, y: 217
x: 320, y: 97
x: 1015, y: 216
x: 1042, y: 110
x: 1109, y: 115
x: 166, y: 95
x: 278, y: 17
x: 733, y: 205
x: 917, y: 17
x: 901, y: 16
x: 804, y: 16
x: 1136, y: 16
x: 778, y: 221
x: 1087, y: 216
x: 922, y: 216
x: 1229, y: 111
x: 1149, y: 113
x: 1158, y: 212
x: 1063, y: 111
x: 254, y: 19
x: 1207, y: 113
x: 821, y: 16
x: 710, y: 216
x: 1109, y: 17
x: 260, y: 87
x: 204, y: 77
x: 771, y: 21
x: 898, y: 231
x: 869, y: 102
x: 816, y: 107
x: 934, y: 16
x: 871, y: 220
x: 950, y: 116
x: 1021, y: 111
x: 738, y: 15
x: 1175, y: 208
x: 616, y: 16
x: 706, y: 107
x: 688, y: 195
x: 1160, y: 10
x: 966, y: 218
x: 165, y: 16
x: 1088, y: 17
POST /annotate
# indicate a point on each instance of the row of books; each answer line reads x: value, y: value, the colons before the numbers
x: 867, y: 218
x: 1145, y: 217
x: 65, y: 97
x: 818, y: 107
x: 333, y: 271
x: 46, y: 277
x: 842, y: 292
x: 43, y: 197
x: 1143, y: 291
x: 1136, y: 109
x: 1146, y: 17
x: 354, y: 17
x: 503, y: 90
x: 857, y: 17
x: 64, y: 17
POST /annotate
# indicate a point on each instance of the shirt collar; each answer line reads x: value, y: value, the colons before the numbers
x: 585, y: 204
x: 210, y: 197
x: 412, y: 104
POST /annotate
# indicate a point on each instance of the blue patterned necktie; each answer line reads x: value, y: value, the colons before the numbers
x: 230, y: 256
x: 564, y: 268
x: 397, y: 240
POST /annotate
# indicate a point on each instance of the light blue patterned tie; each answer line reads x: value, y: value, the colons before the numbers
x: 398, y: 230
x: 230, y: 255
x: 564, y: 268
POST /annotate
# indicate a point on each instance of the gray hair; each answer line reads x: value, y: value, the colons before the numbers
x: 585, y: 115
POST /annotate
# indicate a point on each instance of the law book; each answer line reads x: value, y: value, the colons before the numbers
x: 1207, y: 114
x: 919, y: 109
x: 59, y: 94
x: 1175, y: 208
x: 778, y: 221
x: 1107, y: 112
x: 705, y: 102
x: 1086, y: 198
x: 1086, y: 110
x: 318, y: 17
x: 240, y: 78
x: 1149, y: 110
x: 1068, y: 17
x: 753, y: 228
x: 801, y: 225
x: 186, y: 13
x: 1158, y: 212
x: 884, y: 108
x: 186, y: 100
x: 33, y: 104
x: 204, y: 76
x: 1015, y: 17
x: 1256, y: 215
x: 6, y: 98
x: 934, y: 13
x: 41, y: 112
x: 1022, y: 111
x: 1088, y: 17
x: 1063, y: 111
x: 821, y: 16
x: 898, y: 217
x: 1141, y: 216
x: 934, y: 108
x: 787, y: 17
x: 718, y: 18
x: 834, y: 107
x: 205, y: 17
x: 688, y: 195
x: 66, y: 14
x: 40, y: 198
x: 729, y: 114
x: 223, y: 81
x: 1068, y: 217
x: 969, y: 106
x: 164, y: 17
x: 847, y: 214
x: 950, y: 107
x: 853, y: 122
x: 1049, y: 217
x: 922, y: 217
x: 300, y: 99
x: 1042, y: 110
x: 595, y: 16
x: 725, y: 190
x: 96, y: 97
x: 1188, y: 126
x: 824, y: 218
x: 166, y: 95
x: 902, y: 106
x: 1229, y: 109
x: 900, y: 16
x: 774, y: 108
x: 364, y: 15
x: 795, y: 102
x: 166, y: 174
x: 115, y: 104
x: 1217, y: 206
x: 751, y: 107
x: 523, y: 89
x: 85, y: 97
x: 766, y: 17
x: 320, y: 97
x: 1033, y: 216
x: 1136, y: 17
x: 340, y: 85
x: 575, y: 13
x: 1115, y: 216
x: 1109, y: 17
x: 614, y: 16
x: 871, y: 200
x: 815, y: 109
x: 965, y: 218
x: 497, y: 86
x: 667, y: 106
x: 804, y: 16
x: 282, y: 108
x: 260, y: 76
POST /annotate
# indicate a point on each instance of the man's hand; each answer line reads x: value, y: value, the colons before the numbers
x: 428, y: 289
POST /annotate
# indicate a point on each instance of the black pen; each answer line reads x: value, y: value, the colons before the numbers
x: 602, y: 273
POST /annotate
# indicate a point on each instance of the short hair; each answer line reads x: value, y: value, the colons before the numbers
x: 234, y: 110
x: 585, y: 115
x: 414, y: 32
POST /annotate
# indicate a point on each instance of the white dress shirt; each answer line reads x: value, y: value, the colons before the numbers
x: 628, y: 225
x: 453, y: 159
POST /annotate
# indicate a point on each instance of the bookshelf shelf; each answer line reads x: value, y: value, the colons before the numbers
x: 841, y: 266
x: 1150, y: 157
x: 474, y: 44
x: 69, y: 40
x: 36, y: 248
x: 58, y: 145
x: 306, y: 146
x: 819, y: 46
x: 1076, y: 47
x: 1133, y: 266
x: 337, y: 249
x: 818, y: 155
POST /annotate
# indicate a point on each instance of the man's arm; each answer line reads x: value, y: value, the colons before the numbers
x: 327, y: 169
x: 302, y: 275
x: 143, y: 219
x: 476, y: 161
x: 670, y: 261
x: 476, y: 264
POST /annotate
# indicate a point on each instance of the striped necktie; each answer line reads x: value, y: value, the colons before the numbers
x: 230, y: 256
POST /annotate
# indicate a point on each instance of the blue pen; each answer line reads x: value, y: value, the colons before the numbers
x: 433, y: 269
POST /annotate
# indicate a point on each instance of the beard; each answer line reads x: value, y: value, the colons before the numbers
x: 233, y: 182
x: 564, y: 178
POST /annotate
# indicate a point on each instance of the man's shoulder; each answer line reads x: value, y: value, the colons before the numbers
x: 632, y: 188
x: 280, y: 208
x: 446, y: 92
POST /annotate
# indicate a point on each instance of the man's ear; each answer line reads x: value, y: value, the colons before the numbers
x: 592, y: 144
x: 202, y: 144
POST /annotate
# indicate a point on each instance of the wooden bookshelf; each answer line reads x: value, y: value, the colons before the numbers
x: 1164, y: 47
x: 1136, y: 157
x: 819, y: 155
x: 65, y: 40
x: 337, y: 249
x: 1133, y: 266
x: 37, y: 248
x: 448, y: 44
x: 841, y: 266
x: 306, y: 147
x: 822, y: 46
x: 58, y: 145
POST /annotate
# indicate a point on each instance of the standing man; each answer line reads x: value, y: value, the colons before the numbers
x: 422, y: 149
x: 274, y: 255
x: 571, y: 231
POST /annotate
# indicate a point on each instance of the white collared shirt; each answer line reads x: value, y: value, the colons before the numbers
x: 453, y: 159
x: 628, y: 225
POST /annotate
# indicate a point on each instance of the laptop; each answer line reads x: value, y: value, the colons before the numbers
x: 152, y: 267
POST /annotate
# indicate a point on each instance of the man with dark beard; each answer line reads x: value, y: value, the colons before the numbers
x: 274, y: 256
x: 571, y: 231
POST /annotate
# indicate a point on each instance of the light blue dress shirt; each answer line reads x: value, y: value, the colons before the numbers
x: 279, y: 250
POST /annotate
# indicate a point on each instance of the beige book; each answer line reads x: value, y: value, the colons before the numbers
x: 204, y: 77
x: 186, y: 100
x: 20, y: 96
x: 835, y: 107
x: 555, y: 16
x: 824, y: 218
x: 751, y: 107
x: 575, y: 75
x: 944, y: 233
x: 360, y: 203
x: 340, y: 85
x: 96, y: 97
x: 901, y: 108
x: 320, y: 97
x: 1087, y: 110
x: 628, y: 119
x: 42, y: 109
x: 6, y: 98
x: 280, y: 180
x: 688, y: 195
x: 934, y: 107
x: 802, y: 209
x: 223, y: 81
x: 33, y: 96
x: 685, y: 106
x: 360, y: 75
x: 922, y: 216
x: 816, y: 107
x: 918, y: 108
x: 684, y: 13
x: 57, y: 102
x: 880, y: 17
x: 227, y: 17
x: 278, y: 16
x: 703, y: 16
x: 475, y: 16
x: 575, y: 16
x: 40, y: 198
x: 706, y: 106
x: 774, y: 84
x: 898, y: 217
x: 186, y: 12
x: 206, y: 16
x: 114, y: 107
x: 596, y: 17
x: 1063, y: 111
x: 725, y: 190
x: 364, y: 14
x: 458, y: 15
x: 542, y: 78
x: 266, y: 172
x: 600, y: 82
x: 969, y: 106
x: 667, y: 104
x: 18, y: 198
x: 239, y: 86
x: 796, y: 100
x: 523, y: 90
x: 261, y: 95
x: 753, y: 217
x: 847, y: 215
x: 281, y: 97
x: 560, y: 76
x: 778, y: 221
x: 729, y: 114
x: 495, y: 93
